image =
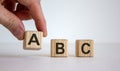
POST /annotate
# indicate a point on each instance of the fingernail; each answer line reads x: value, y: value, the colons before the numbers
x: 45, y: 34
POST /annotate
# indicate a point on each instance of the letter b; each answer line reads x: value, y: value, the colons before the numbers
x: 59, y: 48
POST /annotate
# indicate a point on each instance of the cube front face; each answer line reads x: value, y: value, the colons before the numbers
x: 59, y: 48
x: 84, y: 48
x: 33, y: 40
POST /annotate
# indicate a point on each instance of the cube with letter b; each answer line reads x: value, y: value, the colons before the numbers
x: 33, y: 40
x: 84, y: 48
x: 59, y: 47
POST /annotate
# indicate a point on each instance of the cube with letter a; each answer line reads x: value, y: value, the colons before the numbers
x: 32, y: 40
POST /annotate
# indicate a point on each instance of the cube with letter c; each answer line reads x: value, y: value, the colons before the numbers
x: 84, y: 48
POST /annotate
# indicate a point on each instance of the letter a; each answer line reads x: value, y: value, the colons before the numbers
x: 34, y: 39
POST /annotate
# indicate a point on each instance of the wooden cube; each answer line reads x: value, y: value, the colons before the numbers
x: 32, y: 40
x: 59, y: 47
x: 84, y: 48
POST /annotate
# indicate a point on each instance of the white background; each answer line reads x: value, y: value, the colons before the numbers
x: 71, y: 19
x: 77, y: 19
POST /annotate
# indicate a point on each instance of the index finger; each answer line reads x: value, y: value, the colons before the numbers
x: 37, y: 14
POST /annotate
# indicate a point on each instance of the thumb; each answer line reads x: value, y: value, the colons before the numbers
x: 12, y: 23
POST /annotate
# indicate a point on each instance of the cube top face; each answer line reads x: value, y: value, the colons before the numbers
x: 84, y: 48
x: 33, y: 40
x: 59, y: 47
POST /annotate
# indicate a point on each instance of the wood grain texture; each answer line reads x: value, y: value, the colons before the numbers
x: 84, y: 48
x: 54, y: 47
x: 33, y: 45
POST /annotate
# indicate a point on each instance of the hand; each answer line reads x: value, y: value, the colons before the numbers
x: 12, y: 18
